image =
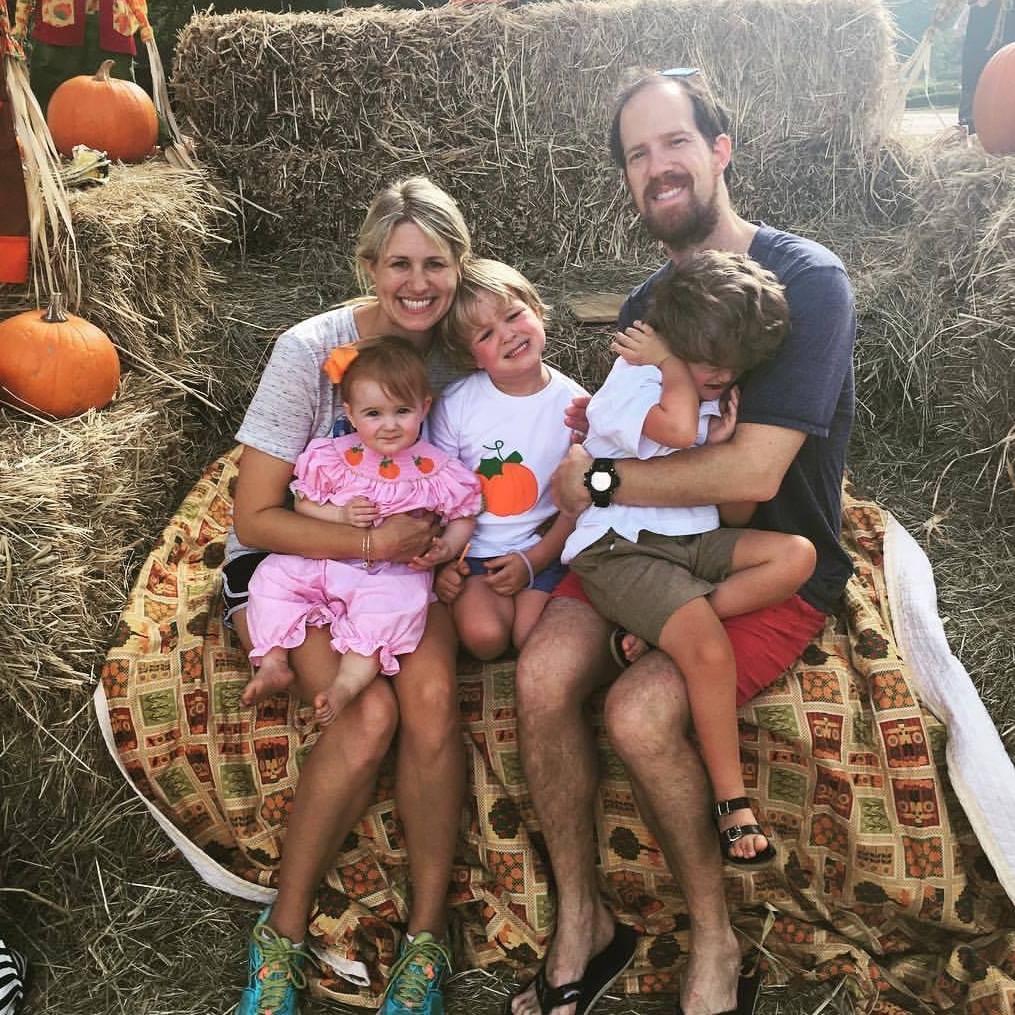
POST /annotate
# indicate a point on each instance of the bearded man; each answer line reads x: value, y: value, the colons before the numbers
x: 671, y: 140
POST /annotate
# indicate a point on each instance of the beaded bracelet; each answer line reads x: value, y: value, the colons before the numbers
x: 528, y: 566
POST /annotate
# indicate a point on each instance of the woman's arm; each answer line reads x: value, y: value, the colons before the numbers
x: 261, y: 519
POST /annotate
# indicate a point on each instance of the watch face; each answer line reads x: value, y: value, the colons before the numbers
x: 600, y: 481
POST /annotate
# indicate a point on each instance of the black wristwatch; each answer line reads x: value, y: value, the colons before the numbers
x: 601, y: 480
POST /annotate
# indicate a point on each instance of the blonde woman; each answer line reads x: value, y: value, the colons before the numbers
x: 410, y: 252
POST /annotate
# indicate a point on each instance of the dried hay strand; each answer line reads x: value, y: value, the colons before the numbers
x: 309, y: 115
x: 77, y: 498
x: 145, y: 240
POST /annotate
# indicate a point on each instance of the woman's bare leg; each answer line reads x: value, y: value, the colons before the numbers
x: 335, y: 784
x: 430, y: 776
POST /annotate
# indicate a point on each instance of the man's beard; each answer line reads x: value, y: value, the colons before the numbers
x: 693, y: 225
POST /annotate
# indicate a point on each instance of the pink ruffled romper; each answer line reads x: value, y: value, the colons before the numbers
x: 383, y: 607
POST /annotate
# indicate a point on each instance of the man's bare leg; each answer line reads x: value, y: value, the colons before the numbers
x: 430, y: 768
x: 563, y: 661
x: 648, y: 720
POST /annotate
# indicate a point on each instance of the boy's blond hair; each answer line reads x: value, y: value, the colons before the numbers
x: 483, y: 277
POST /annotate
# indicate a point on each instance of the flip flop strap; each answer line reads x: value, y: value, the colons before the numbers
x: 555, y: 997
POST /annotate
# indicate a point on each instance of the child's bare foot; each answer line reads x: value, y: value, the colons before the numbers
x: 752, y: 843
x: 329, y: 703
x: 272, y: 676
x: 626, y: 648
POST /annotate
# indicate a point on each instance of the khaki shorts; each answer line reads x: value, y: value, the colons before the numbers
x: 641, y: 585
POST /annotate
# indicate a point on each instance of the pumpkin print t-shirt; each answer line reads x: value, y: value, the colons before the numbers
x: 513, y: 443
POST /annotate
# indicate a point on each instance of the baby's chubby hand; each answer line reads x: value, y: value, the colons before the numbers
x: 439, y: 553
x: 360, y: 512
x: 640, y: 345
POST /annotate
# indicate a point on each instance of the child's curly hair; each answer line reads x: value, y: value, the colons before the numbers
x: 720, y: 308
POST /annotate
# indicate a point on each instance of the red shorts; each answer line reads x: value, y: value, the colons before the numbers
x: 765, y: 642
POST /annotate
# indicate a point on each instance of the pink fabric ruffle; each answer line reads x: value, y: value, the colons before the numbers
x: 334, y: 470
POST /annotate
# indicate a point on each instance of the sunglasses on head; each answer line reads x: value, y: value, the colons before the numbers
x: 680, y: 72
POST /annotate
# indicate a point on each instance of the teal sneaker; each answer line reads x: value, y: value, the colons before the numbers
x: 275, y: 972
x: 415, y: 987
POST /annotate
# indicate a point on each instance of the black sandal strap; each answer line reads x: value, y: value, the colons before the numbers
x: 735, y: 832
x: 555, y: 997
x: 737, y: 803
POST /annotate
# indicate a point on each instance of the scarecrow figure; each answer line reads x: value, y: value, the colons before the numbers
x: 14, y: 224
x: 36, y: 233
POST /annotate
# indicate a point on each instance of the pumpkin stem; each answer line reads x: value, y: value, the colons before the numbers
x: 56, y: 313
x: 102, y: 74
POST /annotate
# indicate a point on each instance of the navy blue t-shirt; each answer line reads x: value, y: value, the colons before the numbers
x: 807, y: 386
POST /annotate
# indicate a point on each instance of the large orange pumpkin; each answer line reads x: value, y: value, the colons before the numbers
x: 994, y: 103
x: 56, y: 364
x: 115, y: 116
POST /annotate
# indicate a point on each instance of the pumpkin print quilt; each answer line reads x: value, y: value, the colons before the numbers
x: 879, y: 876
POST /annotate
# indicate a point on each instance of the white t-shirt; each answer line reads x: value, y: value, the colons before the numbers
x: 514, y: 443
x: 616, y: 417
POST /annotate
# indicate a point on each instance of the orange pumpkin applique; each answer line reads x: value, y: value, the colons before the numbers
x: 354, y: 455
x: 388, y: 469
x: 424, y: 465
x: 509, y: 488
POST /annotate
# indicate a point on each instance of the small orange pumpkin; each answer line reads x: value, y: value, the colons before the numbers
x: 388, y: 469
x: 994, y: 103
x: 512, y: 492
x: 115, y: 116
x: 56, y: 364
x: 424, y: 464
x: 354, y: 455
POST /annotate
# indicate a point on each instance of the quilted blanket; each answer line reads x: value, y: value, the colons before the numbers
x: 880, y: 876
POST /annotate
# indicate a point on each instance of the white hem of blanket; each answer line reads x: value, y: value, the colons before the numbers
x: 981, y: 773
x: 211, y: 872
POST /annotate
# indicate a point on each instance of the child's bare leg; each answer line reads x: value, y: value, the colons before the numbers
x: 633, y: 646
x: 767, y: 568
x: 354, y: 673
x: 484, y: 619
x: 695, y: 640
x: 271, y: 676
x: 529, y: 605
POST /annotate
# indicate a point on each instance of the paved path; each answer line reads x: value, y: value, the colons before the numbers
x: 926, y: 123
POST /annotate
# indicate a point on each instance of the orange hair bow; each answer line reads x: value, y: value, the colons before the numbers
x: 338, y: 362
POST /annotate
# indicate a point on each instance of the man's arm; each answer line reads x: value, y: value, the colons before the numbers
x: 749, y: 467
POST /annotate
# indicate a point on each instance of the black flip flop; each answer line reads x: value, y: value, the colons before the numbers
x: 748, y: 988
x: 600, y: 974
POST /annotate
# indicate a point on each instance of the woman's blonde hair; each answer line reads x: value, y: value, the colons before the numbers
x: 421, y: 202
x: 483, y: 277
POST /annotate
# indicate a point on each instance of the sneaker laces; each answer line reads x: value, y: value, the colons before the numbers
x: 417, y: 969
x: 281, y: 966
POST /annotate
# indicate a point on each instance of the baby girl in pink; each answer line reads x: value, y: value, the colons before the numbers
x: 376, y: 610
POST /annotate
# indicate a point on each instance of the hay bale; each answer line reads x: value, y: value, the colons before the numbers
x: 145, y: 240
x: 309, y: 114
x: 77, y: 498
x: 937, y: 310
